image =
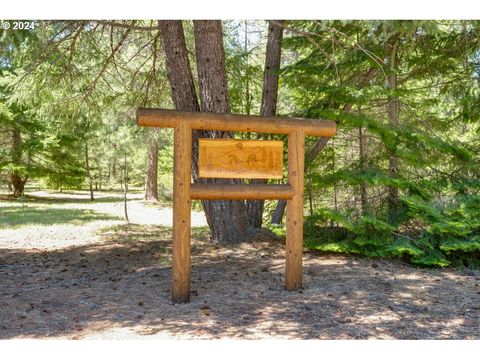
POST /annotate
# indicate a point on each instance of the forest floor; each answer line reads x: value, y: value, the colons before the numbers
x: 70, y: 269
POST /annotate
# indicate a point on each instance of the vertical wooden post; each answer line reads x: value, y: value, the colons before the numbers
x: 294, y: 241
x: 182, y: 155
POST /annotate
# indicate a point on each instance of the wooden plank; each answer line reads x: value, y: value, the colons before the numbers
x: 240, y: 191
x: 235, y: 122
x: 231, y: 158
x: 294, y: 238
x: 182, y: 153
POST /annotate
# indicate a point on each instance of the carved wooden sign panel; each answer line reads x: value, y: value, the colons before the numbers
x: 231, y: 158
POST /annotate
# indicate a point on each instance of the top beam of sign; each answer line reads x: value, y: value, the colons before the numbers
x: 232, y: 122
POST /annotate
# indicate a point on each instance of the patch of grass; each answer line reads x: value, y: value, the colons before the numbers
x: 31, y: 215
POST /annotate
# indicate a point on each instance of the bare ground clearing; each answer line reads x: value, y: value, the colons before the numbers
x: 108, y: 280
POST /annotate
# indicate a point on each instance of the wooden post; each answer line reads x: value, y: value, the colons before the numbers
x: 182, y: 155
x: 294, y: 241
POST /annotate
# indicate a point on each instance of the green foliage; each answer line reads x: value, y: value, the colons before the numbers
x: 75, y: 91
x: 401, y: 183
x: 44, y: 152
x: 451, y: 233
x: 426, y: 153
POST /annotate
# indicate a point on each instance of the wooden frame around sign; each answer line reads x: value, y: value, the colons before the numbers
x: 184, y: 191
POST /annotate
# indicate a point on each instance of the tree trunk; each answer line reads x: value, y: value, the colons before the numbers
x: 248, y: 102
x: 98, y: 183
x: 125, y: 192
x: 279, y: 211
x: 87, y: 168
x: 361, y: 155
x: 393, y: 115
x: 15, y: 177
x: 151, y: 190
x: 227, y: 219
x: 269, y: 103
x: 335, y: 189
x: 179, y: 72
x: 310, y: 197
x: 114, y: 161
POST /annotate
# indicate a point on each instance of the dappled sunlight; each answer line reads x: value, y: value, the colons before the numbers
x: 335, y: 263
x: 405, y: 295
x: 120, y: 287
x: 106, y: 204
x: 108, y: 280
x: 52, y: 237
x: 378, y: 318
x: 52, y: 220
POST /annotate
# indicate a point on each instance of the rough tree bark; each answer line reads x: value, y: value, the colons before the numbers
x: 151, y: 190
x: 312, y: 154
x: 227, y: 219
x: 16, y: 179
x: 87, y: 168
x: 179, y: 72
x: 269, y: 102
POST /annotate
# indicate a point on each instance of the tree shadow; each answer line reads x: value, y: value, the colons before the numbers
x: 12, y: 216
x: 237, y: 292
x: 65, y: 199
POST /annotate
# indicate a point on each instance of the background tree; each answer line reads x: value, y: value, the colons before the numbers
x: 269, y: 102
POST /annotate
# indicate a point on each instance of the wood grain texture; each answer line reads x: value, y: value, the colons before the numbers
x: 294, y: 238
x: 230, y: 158
x: 182, y: 153
x: 235, y: 122
x: 240, y: 191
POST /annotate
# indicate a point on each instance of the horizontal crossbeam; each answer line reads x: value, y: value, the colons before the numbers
x: 241, y: 191
x: 234, y: 122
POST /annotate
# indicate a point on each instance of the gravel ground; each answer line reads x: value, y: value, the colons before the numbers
x: 111, y: 280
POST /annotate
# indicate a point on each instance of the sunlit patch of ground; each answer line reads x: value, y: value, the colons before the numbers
x: 100, y: 278
x: 46, y: 220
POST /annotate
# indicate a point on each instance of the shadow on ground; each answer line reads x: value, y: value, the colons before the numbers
x: 236, y: 293
x: 76, y: 198
x: 64, y: 198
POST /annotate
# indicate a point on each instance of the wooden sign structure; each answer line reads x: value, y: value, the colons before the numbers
x: 230, y: 158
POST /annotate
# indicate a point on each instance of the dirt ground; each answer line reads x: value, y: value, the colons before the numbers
x: 113, y: 281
